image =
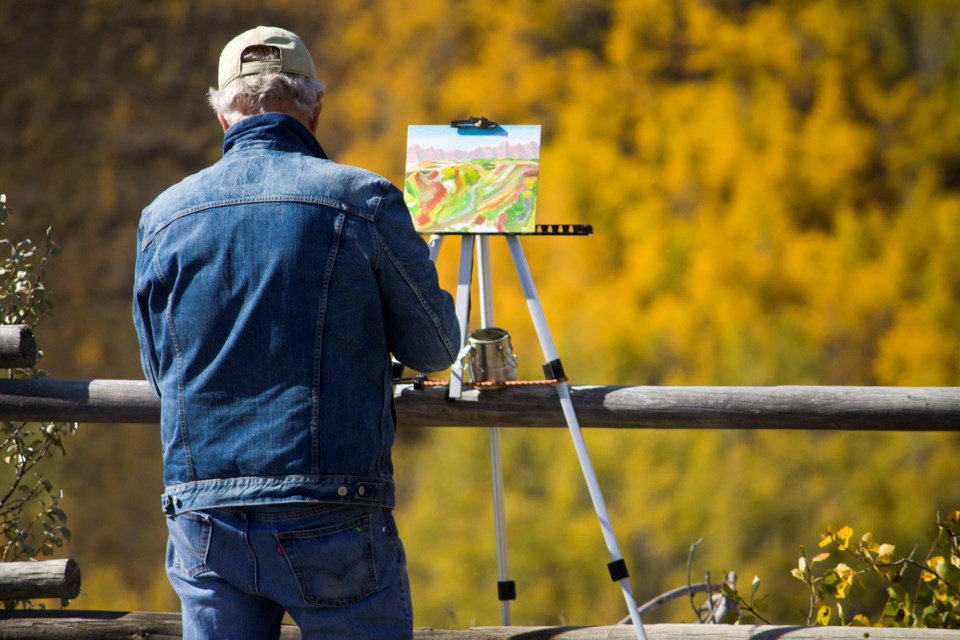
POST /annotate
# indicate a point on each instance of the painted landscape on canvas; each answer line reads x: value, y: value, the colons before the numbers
x: 473, y: 181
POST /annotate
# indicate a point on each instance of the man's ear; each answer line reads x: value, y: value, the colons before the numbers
x: 315, y: 116
x: 223, y: 122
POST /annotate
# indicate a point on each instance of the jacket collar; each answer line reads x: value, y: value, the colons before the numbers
x: 272, y: 130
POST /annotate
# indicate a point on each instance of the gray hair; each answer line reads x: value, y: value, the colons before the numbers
x: 258, y: 93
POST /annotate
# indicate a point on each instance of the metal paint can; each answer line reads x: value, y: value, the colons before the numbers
x: 490, y: 355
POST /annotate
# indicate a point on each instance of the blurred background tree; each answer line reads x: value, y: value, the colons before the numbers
x: 775, y: 188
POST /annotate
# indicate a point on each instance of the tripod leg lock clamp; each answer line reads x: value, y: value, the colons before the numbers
x: 618, y: 570
x: 507, y: 590
x: 553, y: 370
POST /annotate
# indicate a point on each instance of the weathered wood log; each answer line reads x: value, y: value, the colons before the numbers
x: 34, y: 580
x: 18, y: 348
x: 108, y: 625
x: 89, y: 625
x: 648, y: 407
x: 50, y: 400
x: 686, y: 632
x: 786, y: 407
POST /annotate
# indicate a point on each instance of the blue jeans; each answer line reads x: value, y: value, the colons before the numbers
x: 338, y: 570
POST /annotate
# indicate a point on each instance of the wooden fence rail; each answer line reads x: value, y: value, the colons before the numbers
x: 630, y: 407
x: 105, y: 625
x: 811, y: 407
x: 46, y: 579
x: 18, y: 348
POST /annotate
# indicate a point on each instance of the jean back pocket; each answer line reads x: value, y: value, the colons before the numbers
x: 333, y: 566
x: 190, y: 538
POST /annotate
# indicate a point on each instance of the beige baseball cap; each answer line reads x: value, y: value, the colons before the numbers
x: 294, y: 57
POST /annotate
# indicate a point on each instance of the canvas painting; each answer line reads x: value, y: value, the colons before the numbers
x: 473, y: 180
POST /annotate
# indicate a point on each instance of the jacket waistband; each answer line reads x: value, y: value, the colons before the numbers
x: 246, y: 491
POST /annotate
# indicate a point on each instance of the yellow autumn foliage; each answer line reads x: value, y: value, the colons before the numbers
x: 775, y: 192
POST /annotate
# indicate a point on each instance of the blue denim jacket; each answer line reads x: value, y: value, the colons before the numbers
x: 271, y: 289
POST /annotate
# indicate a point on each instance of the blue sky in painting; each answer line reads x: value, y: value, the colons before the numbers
x: 448, y: 138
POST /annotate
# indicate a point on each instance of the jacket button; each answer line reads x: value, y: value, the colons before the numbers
x: 342, y: 491
x: 361, y: 490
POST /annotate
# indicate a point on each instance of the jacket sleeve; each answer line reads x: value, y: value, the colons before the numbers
x: 141, y: 320
x: 421, y: 321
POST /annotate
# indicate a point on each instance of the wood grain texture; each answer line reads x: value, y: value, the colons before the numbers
x: 108, y: 625
x: 824, y: 408
x: 45, y: 579
x: 18, y: 347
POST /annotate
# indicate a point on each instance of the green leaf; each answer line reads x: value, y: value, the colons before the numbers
x: 896, y: 592
x: 947, y: 572
x: 930, y: 617
x: 761, y: 604
x: 831, y: 582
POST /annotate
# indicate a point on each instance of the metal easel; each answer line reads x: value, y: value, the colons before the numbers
x: 553, y: 369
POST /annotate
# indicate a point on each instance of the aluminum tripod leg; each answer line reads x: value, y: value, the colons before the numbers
x: 463, y: 311
x: 434, y: 244
x: 566, y: 403
x: 456, y: 384
x: 505, y: 587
